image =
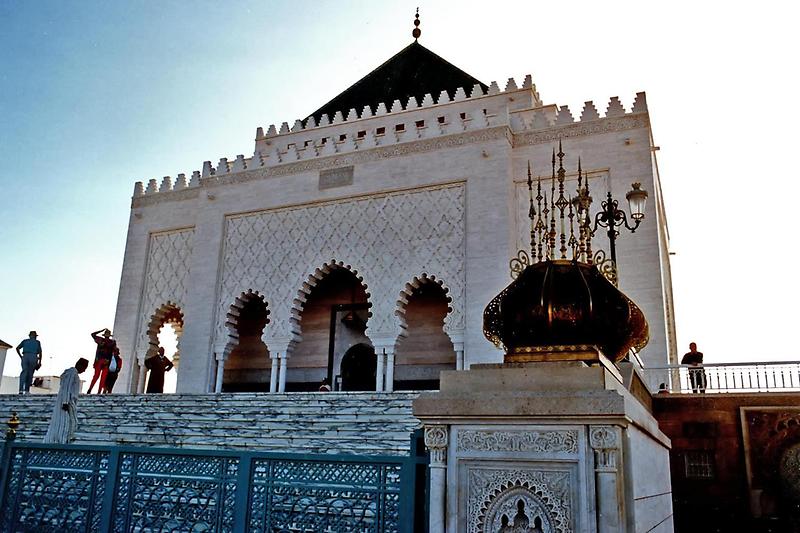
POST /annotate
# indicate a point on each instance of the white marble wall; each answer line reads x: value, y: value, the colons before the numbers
x: 486, y: 161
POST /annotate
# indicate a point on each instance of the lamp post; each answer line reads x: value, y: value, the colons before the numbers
x: 612, y: 217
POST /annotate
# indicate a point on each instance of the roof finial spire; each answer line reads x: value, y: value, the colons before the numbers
x: 417, y: 32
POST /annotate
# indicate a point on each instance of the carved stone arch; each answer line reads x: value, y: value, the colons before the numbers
x: 408, y: 291
x: 308, y: 286
x: 234, y: 313
x: 168, y: 313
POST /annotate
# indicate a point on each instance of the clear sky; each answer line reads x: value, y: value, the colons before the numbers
x: 97, y: 95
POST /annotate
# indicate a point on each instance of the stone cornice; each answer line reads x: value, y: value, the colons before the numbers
x: 322, y: 163
x: 168, y: 196
x: 582, y: 129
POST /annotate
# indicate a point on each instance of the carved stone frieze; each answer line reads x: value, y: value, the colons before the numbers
x: 171, y: 196
x: 582, y: 129
x: 495, y: 492
x: 333, y: 161
x: 547, y: 441
x: 388, y: 238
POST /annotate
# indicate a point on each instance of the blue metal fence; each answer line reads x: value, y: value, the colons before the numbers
x: 65, y: 489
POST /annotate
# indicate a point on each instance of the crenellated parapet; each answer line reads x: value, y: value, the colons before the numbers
x: 470, y: 110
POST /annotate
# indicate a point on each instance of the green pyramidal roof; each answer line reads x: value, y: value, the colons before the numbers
x: 413, y: 71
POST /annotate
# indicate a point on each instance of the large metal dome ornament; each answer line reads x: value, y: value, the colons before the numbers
x: 559, y: 308
x: 564, y: 307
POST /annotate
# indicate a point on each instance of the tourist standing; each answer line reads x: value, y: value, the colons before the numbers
x: 697, y: 376
x: 102, y: 358
x: 158, y: 366
x: 64, y: 420
x: 30, y: 353
x: 113, y: 371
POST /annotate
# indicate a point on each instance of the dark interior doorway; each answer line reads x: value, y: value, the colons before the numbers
x: 358, y: 368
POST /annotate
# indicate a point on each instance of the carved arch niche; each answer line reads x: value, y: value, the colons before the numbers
x: 247, y: 362
x: 168, y: 314
x: 329, y: 316
x: 424, y: 348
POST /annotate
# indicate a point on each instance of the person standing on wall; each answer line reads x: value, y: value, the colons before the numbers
x: 158, y: 366
x: 697, y: 376
x: 102, y: 358
x: 30, y: 353
x: 113, y: 371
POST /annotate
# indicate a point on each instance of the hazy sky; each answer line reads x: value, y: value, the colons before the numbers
x: 97, y: 95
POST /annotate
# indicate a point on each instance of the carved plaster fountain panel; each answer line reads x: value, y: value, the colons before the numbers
x: 521, y: 492
x: 532, y: 470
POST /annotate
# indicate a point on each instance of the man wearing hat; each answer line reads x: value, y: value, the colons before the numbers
x: 30, y: 352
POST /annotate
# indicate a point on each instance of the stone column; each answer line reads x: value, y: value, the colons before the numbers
x: 457, y: 338
x: 142, y: 376
x: 436, y: 442
x: 379, y: 369
x: 283, y: 360
x: 220, y: 373
x: 273, y: 372
x: 606, y: 443
x: 389, y: 387
x: 220, y: 355
x: 384, y: 343
x: 280, y: 349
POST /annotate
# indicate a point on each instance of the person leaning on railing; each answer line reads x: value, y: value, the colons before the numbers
x: 697, y: 376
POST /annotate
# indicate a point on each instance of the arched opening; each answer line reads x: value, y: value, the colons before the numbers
x: 168, y: 339
x: 358, y: 368
x: 332, y: 320
x: 426, y: 350
x: 247, y: 367
x: 164, y: 331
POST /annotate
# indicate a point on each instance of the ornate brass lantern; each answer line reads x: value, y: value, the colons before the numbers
x: 561, y: 306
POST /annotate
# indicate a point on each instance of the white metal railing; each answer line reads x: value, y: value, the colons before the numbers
x: 768, y: 376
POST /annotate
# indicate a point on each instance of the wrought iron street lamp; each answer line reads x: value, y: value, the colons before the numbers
x: 612, y: 217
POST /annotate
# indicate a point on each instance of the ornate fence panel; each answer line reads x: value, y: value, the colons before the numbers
x: 58, y: 490
x: 66, y: 489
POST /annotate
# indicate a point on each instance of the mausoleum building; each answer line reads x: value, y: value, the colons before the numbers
x: 363, y: 242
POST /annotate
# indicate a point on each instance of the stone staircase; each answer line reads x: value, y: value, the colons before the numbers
x: 353, y: 423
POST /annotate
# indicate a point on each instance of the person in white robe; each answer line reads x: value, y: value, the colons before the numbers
x: 64, y: 420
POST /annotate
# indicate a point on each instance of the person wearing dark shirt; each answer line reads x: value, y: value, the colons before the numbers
x: 697, y: 376
x: 102, y: 358
x: 158, y: 366
x: 114, y: 367
x: 30, y: 354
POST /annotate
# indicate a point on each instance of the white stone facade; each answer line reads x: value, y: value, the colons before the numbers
x: 442, y: 198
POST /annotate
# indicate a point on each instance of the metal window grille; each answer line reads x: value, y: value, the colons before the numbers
x: 699, y: 464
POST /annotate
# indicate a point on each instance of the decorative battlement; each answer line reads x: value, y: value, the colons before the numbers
x: 518, y: 108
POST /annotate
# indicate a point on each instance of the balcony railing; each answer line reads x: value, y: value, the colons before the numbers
x: 769, y: 376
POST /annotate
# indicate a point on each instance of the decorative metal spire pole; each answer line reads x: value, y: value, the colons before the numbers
x: 576, y: 223
x: 416, y: 32
x: 562, y: 202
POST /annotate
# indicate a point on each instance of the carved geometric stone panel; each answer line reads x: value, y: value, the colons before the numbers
x: 166, y: 279
x: 387, y: 238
